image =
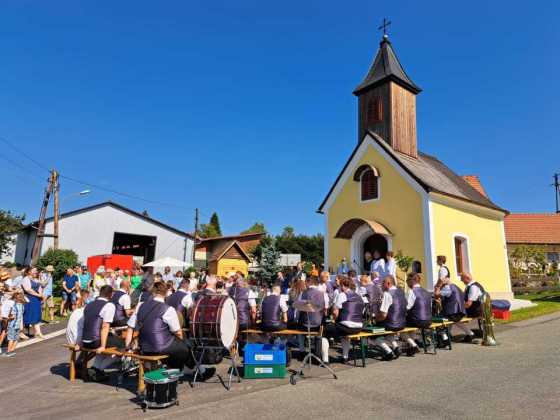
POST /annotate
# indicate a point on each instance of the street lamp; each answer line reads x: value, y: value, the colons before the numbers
x: 57, y: 211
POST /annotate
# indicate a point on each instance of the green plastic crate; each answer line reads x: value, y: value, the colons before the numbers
x: 264, y: 371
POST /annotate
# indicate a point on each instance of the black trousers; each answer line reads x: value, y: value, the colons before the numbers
x: 418, y: 324
x: 340, y: 330
x: 394, y: 329
x: 112, y: 341
x: 179, y: 352
x: 277, y: 327
x: 120, y: 323
x: 454, y: 317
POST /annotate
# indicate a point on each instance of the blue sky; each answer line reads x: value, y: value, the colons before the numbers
x: 245, y: 107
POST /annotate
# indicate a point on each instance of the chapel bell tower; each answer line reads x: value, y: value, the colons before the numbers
x: 387, y: 101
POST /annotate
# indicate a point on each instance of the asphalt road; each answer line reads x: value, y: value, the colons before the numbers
x: 518, y: 379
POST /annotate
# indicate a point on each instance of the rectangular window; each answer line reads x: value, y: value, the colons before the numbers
x: 462, y: 261
x: 552, y: 257
x: 459, y: 255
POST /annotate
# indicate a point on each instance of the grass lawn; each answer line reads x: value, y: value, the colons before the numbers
x: 547, y: 302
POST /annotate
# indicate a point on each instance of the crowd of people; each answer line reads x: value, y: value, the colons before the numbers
x: 27, y: 300
x: 150, y: 312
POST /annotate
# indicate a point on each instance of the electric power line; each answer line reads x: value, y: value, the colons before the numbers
x: 40, y: 165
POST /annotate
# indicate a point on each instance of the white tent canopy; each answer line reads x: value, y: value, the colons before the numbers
x: 168, y: 262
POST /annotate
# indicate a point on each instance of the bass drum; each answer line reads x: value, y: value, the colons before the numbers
x: 214, y: 321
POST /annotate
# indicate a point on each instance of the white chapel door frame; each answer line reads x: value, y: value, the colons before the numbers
x: 357, y: 245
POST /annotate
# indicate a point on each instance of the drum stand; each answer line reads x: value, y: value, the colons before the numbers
x: 233, y: 369
x: 309, y: 357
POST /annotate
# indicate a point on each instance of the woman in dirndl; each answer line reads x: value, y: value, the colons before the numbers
x: 34, y: 294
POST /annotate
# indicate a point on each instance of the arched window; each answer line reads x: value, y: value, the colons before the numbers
x: 369, y: 185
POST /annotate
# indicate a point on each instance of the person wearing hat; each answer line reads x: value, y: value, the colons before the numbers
x: 46, y: 280
x: 99, y: 280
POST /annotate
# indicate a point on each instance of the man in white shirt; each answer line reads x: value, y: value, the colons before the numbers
x: 74, y: 330
x: 378, y: 263
x: 392, y: 314
x: 167, y: 275
x: 159, y: 331
x: 347, y: 310
x: 443, y: 271
x: 390, y: 264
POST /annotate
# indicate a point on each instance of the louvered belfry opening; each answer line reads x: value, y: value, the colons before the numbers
x: 387, y: 102
x: 369, y: 185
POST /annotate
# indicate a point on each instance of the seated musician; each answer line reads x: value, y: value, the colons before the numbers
x: 314, y: 320
x: 473, y: 301
x: 74, y: 332
x: 419, y: 308
x: 122, y: 302
x: 327, y: 285
x: 98, y: 317
x: 372, y: 294
x: 392, y: 316
x: 159, y: 331
x: 452, y: 307
x: 274, y: 311
x: 181, y: 300
x: 347, y: 311
x: 246, y: 302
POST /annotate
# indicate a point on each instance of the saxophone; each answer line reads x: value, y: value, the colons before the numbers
x: 488, y: 338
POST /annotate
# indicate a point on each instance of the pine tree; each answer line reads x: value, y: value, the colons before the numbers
x: 269, y: 263
x: 212, y: 228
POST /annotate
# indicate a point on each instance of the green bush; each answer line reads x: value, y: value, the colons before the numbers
x: 61, y: 260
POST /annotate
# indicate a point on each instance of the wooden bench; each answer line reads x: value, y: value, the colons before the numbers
x: 111, y: 351
x: 279, y: 332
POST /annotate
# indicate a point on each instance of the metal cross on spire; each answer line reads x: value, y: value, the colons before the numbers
x: 384, y: 26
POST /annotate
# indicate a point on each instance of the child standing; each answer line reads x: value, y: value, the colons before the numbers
x: 15, y: 321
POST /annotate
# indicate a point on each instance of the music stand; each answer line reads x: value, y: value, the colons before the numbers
x: 232, y: 355
x: 308, y: 308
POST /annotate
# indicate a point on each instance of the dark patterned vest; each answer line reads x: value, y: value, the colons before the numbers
x: 271, y: 312
x: 422, y: 308
x: 175, y: 300
x: 146, y: 296
x: 396, y: 315
x: 475, y: 309
x: 374, y: 296
x: 317, y: 298
x: 120, y: 314
x: 241, y: 297
x: 92, y: 320
x: 352, y: 309
x: 155, y: 335
x: 453, y: 304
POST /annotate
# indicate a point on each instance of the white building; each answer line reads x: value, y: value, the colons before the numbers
x: 107, y: 228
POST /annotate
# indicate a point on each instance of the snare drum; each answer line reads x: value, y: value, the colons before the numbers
x: 161, y: 388
x: 214, y: 321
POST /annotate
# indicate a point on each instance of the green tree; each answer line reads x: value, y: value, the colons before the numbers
x: 256, y: 228
x: 268, y: 263
x: 404, y: 262
x: 9, y: 224
x: 311, y: 248
x: 212, y: 228
x: 61, y: 260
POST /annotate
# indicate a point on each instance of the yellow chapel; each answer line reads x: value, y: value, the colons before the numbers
x: 391, y: 197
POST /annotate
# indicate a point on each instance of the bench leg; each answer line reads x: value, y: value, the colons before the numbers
x: 363, y: 348
x: 434, y: 339
x: 72, y: 373
x: 354, y: 353
x: 141, y: 385
x: 424, y: 343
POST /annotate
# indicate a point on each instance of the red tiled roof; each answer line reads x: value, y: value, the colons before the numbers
x: 532, y: 228
x: 474, y: 182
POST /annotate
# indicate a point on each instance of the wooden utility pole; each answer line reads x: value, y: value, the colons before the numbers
x: 56, y: 189
x: 195, y: 235
x: 556, y: 186
x: 41, y: 229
